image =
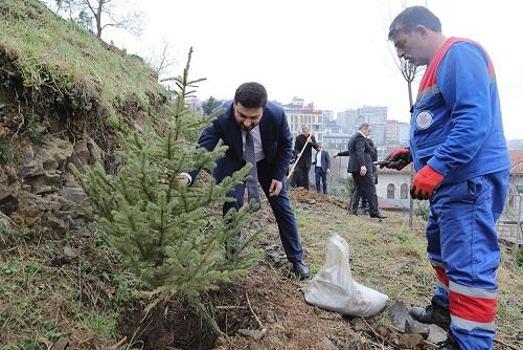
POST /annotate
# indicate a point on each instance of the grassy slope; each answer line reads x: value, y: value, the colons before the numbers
x: 48, y: 291
x: 51, y: 53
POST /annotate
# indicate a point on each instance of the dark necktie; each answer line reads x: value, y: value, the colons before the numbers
x: 252, y: 179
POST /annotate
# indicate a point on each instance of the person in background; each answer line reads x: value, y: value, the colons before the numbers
x: 373, y: 151
x: 303, y: 166
x: 362, y: 169
x: 462, y: 167
x: 322, y: 165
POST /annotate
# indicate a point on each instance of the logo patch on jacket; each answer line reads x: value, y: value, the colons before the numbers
x: 424, y: 119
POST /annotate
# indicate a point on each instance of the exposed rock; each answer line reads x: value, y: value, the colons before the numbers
x: 86, y: 152
x: 55, y: 224
x: 55, y: 153
x: 8, y: 174
x: 30, y: 166
x: 29, y: 208
x: 72, y: 191
x: 45, y: 182
x: 8, y: 203
x: 414, y: 327
x: 436, y: 334
x: 410, y: 341
x: 398, y: 314
x: 43, y: 189
x: 11, y: 174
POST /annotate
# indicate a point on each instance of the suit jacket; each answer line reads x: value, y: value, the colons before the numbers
x: 325, y: 160
x: 359, y: 152
x: 275, y: 137
x: 306, y: 157
x: 373, y: 157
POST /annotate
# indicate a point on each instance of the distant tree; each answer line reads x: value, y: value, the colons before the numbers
x: 101, y: 12
x: 161, y: 62
x: 211, y: 105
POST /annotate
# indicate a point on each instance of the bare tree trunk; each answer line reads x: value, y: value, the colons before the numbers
x: 411, y: 201
x: 98, y: 19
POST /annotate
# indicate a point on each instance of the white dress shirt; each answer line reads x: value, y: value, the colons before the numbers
x: 258, y: 148
x: 318, y: 159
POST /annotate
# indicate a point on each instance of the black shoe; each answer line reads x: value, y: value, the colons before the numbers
x: 449, y: 344
x: 300, y: 270
x: 378, y: 216
x: 432, y: 313
x: 353, y: 212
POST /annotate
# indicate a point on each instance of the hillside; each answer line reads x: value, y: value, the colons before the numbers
x: 64, y: 98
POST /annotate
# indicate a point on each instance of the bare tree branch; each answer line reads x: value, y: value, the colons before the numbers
x: 84, y: 11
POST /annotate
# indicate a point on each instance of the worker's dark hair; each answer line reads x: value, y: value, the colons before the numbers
x: 413, y: 16
x: 251, y: 95
x: 363, y: 126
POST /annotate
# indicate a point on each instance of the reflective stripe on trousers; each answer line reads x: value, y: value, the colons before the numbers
x: 464, y: 251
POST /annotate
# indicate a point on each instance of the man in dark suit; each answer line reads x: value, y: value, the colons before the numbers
x: 356, y: 196
x: 257, y: 131
x: 303, y: 166
x: 322, y: 165
x: 362, y: 169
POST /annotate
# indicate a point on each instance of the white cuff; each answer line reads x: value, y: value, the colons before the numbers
x: 189, y: 177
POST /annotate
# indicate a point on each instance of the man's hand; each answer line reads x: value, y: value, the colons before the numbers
x: 398, y: 158
x: 184, y: 180
x: 275, y: 188
x: 363, y: 170
x: 425, y: 183
x: 328, y: 171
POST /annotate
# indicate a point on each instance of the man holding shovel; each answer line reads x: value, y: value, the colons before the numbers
x: 303, y: 146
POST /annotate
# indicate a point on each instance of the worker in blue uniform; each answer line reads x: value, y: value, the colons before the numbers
x: 461, y: 160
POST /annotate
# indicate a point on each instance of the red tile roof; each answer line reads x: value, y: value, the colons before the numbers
x: 517, y: 162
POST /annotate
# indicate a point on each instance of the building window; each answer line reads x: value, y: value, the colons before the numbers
x: 404, y: 191
x: 390, y: 191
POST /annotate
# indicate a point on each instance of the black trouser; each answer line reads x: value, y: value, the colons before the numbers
x: 366, y: 188
x: 281, y: 207
x: 356, y: 195
x: 321, y: 179
x: 302, y: 175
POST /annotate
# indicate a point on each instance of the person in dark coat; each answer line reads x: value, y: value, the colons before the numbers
x: 303, y: 166
x: 362, y: 169
x: 322, y: 165
x: 357, y: 195
x: 256, y: 131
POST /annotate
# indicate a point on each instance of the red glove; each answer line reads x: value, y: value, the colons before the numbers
x: 398, y: 158
x: 425, y: 182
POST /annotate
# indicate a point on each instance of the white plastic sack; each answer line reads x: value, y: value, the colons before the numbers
x: 334, y: 289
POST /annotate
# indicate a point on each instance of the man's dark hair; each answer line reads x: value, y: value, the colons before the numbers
x: 412, y: 16
x: 251, y: 95
x: 363, y: 126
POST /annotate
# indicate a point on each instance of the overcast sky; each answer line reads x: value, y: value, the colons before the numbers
x: 331, y: 52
